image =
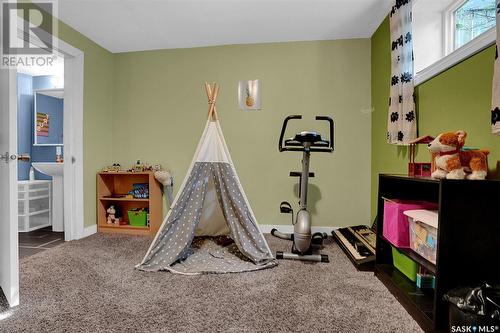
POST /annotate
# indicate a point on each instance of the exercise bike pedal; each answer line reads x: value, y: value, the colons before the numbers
x: 318, y: 238
x: 276, y: 233
x: 286, y: 208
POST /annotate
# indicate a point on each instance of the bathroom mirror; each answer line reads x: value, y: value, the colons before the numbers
x: 48, y: 117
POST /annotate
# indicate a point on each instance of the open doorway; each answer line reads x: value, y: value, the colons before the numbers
x: 40, y: 143
x: 56, y: 131
x: 64, y: 83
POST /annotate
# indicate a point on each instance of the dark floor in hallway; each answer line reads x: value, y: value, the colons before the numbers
x: 38, y: 241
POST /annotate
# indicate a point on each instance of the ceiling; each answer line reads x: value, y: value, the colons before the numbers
x: 137, y: 25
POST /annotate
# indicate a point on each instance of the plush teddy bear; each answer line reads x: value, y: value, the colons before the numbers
x: 453, y: 162
x: 165, y: 178
x: 113, y: 215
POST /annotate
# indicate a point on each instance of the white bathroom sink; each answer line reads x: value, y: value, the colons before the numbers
x: 49, y: 168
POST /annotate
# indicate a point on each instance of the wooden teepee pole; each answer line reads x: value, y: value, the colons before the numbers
x: 212, y: 92
x: 215, y: 92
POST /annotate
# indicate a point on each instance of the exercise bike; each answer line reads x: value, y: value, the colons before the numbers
x: 306, y: 142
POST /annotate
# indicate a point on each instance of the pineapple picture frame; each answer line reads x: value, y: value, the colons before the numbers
x: 249, y: 95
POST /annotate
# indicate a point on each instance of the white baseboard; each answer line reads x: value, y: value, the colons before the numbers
x: 266, y: 228
x: 90, y: 230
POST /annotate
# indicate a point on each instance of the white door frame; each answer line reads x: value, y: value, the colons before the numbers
x: 9, y: 251
x: 73, y: 134
x: 73, y: 143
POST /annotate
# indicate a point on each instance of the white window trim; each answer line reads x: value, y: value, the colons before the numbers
x: 476, y: 45
x: 449, y: 26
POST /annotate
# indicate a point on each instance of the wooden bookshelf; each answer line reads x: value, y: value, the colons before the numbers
x: 110, y: 188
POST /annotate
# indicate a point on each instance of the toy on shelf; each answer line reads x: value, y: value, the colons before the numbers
x: 144, y: 167
x: 113, y: 215
x: 139, y: 191
x: 138, y: 167
x: 116, y: 167
x: 138, y: 217
x: 416, y: 168
x: 425, y: 279
x: 453, y: 161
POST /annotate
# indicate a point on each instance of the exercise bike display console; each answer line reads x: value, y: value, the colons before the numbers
x: 303, y: 240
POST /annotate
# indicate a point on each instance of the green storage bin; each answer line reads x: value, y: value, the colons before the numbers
x: 404, y: 264
x: 137, y: 218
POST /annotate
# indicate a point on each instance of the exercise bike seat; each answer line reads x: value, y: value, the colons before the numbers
x: 313, y: 138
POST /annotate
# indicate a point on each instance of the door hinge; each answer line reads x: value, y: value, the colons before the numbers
x: 6, y: 157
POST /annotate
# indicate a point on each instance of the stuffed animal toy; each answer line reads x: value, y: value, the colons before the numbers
x: 165, y: 178
x: 453, y: 162
x: 113, y: 215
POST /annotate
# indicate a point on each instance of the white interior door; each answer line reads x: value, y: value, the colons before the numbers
x: 9, y: 257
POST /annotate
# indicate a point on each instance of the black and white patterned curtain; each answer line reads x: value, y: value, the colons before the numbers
x: 402, y: 122
x: 495, y: 108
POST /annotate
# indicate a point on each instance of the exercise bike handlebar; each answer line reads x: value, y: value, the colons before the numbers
x: 283, y: 129
x: 329, y: 119
x: 283, y: 147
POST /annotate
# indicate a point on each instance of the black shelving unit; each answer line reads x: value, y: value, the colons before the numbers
x: 468, y: 249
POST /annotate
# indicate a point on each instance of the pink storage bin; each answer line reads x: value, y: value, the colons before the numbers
x: 395, y: 226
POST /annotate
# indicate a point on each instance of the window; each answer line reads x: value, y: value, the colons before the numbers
x: 467, y: 20
x: 448, y: 31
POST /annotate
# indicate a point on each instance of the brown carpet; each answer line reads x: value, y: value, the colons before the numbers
x: 90, y: 286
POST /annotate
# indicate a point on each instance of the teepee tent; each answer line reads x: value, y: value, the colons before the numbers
x: 210, y: 202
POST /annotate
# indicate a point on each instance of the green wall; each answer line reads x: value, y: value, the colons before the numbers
x: 459, y: 98
x: 160, y: 108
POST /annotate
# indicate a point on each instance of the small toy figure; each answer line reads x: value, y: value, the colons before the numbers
x: 452, y: 161
x: 113, y: 215
x: 116, y: 167
x: 138, y: 167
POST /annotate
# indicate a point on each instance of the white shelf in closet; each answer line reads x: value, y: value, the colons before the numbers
x: 37, y: 213
x: 34, y: 204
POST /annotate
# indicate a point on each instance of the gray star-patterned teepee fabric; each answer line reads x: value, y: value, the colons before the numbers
x: 211, y: 181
